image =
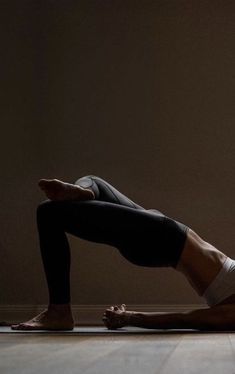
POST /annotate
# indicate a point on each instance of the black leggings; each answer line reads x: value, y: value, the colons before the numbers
x: 144, y: 237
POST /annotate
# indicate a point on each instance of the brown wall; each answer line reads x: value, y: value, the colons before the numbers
x: 140, y: 93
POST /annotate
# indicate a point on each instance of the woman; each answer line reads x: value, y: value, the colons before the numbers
x: 94, y: 210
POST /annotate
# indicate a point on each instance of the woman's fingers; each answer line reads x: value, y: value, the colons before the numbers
x: 109, y: 311
x: 116, y: 307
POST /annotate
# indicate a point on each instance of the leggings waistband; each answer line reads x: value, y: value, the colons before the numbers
x: 223, y: 285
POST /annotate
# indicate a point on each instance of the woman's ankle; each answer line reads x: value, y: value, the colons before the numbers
x: 60, y: 307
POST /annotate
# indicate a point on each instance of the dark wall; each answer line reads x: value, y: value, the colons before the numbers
x: 140, y: 93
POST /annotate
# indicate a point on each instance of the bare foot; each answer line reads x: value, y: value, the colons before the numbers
x: 49, y: 319
x: 116, y: 317
x: 58, y: 190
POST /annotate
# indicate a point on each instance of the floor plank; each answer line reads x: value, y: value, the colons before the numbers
x: 138, y: 355
x: 207, y: 353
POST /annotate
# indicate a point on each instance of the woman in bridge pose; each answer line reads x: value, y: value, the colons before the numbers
x: 92, y: 209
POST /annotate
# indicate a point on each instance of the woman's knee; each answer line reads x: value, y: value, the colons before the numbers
x: 89, y: 182
x: 86, y: 181
x: 46, y: 209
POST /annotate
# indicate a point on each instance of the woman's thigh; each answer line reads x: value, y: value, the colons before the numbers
x: 142, y: 236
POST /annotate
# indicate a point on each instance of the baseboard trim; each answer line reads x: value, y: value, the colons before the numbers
x: 87, y: 315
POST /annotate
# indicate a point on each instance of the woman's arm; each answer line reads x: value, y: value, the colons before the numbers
x: 215, y: 318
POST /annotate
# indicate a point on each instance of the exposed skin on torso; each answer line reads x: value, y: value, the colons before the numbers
x: 200, y: 262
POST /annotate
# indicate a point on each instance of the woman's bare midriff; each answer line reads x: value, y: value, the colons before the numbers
x: 200, y: 262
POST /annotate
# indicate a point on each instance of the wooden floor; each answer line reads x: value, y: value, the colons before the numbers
x: 96, y: 350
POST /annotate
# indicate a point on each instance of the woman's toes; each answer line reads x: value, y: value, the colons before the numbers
x: 23, y: 327
x: 16, y: 327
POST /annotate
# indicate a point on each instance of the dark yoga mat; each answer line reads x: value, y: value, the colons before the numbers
x: 97, y: 330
